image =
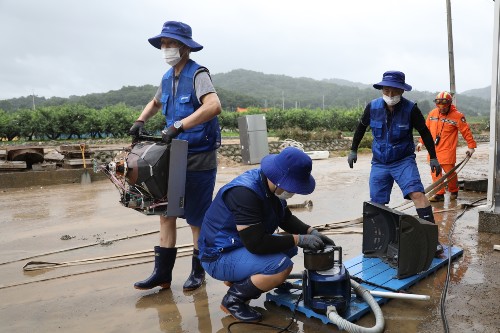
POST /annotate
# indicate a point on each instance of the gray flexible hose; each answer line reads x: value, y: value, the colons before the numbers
x: 344, y: 324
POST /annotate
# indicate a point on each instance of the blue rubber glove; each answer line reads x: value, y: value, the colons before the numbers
x: 327, y: 240
x: 435, y: 166
x: 310, y: 242
x: 352, y: 158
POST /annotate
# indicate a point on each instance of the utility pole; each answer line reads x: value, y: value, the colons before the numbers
x: 489, y: 218
x: 33, y: 99
x: 283, y: 99
x: 451, y: 61
x: 323, y: 102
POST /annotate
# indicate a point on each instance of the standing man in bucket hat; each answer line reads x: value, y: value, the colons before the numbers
x: 190, y: 104
x: 392, y: 119
x: 237, y: 241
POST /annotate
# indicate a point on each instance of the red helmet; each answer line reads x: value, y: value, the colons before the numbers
x: 443, y: 98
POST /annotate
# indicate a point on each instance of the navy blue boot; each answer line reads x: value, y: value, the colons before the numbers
x: 426, y: 214
x: 162, y: 273
x: 197, y: 275
x: 234, y: 304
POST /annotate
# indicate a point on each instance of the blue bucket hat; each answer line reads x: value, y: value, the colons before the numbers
x: 178, y: 31
x: 290, y: 170
x: 393, y: 79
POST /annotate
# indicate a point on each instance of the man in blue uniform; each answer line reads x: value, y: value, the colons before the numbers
x: 237, y: 241
x: 188, y: 101
x: 392, y: 119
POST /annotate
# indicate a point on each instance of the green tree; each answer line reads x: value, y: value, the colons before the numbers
x: 117, y: 119
x: 229, y: 120
x: 9, y: 126
x: 4, y: 122
x: 94, y: 123
x: 155, y: 124
x: 76, y: 118
x: 26, y: 118
x: 50, y: 122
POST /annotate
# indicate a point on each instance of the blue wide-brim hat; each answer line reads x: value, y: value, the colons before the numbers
x: 178, y: 31
x: 290, y: 170
x: 393, y: 79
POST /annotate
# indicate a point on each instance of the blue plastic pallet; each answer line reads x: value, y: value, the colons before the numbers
x: 369, y: 269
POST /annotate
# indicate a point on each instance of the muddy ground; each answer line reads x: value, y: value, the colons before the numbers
x: 99, y: 297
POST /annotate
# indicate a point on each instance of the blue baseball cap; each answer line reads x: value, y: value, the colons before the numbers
x: 290, y: 170
x: 393, y: 79
x: 178, y: 31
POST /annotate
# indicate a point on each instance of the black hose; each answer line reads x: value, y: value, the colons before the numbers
x: 448, y: 272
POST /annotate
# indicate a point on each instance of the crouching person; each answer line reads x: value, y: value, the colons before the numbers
x: 237, y: 242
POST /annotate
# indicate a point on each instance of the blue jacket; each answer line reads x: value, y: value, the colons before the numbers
x: 394, y: 143
x: 218, y: 232
x: 203, y: 137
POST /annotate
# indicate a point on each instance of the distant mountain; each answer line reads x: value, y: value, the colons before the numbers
x: 484, y: 93
x: 342, y: 82
x: 135, y: 97
x: 245, y: 88
x: 271, y: 90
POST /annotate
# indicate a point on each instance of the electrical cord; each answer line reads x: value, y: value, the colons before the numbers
x: 448, y: 272
x: 281, y: 329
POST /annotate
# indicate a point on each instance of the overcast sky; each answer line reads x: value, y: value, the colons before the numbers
x: 64, y: 47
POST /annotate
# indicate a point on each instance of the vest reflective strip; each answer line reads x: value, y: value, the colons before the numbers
x: 444, y: 120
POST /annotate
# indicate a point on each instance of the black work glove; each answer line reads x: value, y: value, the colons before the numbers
x: 171, y: 132
x: 435, y: 166
x: 352, y: 158
x: 310, y: 242
x: 470, y: 151
x: 327, y: 240
x: 137, y: 128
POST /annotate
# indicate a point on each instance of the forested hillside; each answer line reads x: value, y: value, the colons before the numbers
x: 484, y: 93
x: 244, y: 88
x: 275, y: 90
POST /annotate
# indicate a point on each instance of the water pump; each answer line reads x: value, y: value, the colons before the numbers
x: 325, y: 281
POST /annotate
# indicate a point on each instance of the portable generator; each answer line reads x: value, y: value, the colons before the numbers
x: 325, y: 281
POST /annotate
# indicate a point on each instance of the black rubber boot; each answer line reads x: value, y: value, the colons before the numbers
x: 197, y: 275
x: 162, y: 273
x: 287, y: 286
x: 234, y: 304
x: 426, y: 214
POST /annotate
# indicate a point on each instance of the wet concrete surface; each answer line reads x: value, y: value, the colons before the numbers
x: 99, y: 298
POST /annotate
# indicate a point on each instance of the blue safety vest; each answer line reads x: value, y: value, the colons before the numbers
x: 202, y: 137
x: 218, y: 232
x: 396, y: 142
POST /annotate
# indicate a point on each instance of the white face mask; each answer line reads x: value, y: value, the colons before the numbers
x: 171, y: 55
x: 285, y: 195
x: 391, y: 101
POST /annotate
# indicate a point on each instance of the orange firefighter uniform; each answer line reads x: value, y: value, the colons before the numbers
x: 446, y: 127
